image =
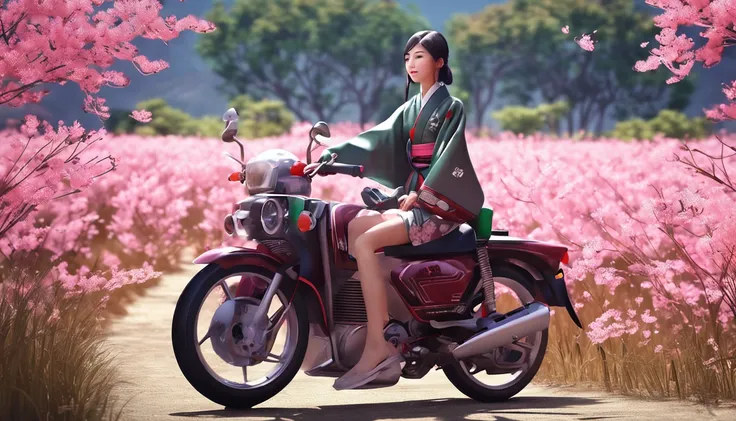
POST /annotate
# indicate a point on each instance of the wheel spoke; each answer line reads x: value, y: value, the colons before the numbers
x: 206, y: 336
x: 272, y: 324
x: 278, y: 319
x: 226, y: 288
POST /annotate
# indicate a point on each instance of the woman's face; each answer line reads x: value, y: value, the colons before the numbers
x: 420, y: 65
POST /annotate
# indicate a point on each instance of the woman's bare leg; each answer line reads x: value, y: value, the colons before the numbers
x: 391, y: 231
x: 360, y: 224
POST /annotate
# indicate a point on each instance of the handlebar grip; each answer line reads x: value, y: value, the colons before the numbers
x: 347, y: 169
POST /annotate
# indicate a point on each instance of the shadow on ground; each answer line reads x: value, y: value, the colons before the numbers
x: 439, y: 409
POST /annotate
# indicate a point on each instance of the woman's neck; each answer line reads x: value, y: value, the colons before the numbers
x: 426, y: 87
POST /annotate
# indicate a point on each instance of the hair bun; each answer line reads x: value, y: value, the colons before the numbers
x: 445, y: 75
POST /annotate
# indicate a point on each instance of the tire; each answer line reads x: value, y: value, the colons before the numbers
x: 185, y: 342
x: 462, y: 380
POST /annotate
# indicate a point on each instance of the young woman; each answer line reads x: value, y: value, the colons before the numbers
x: 421, y: 146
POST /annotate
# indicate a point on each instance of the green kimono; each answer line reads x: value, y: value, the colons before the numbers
x: 424, y: 150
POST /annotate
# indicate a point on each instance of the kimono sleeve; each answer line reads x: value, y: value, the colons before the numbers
x: 381, y: 150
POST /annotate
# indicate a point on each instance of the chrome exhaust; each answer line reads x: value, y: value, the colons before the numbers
x: 524, y: 321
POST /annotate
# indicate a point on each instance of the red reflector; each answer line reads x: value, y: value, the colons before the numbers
x: 298, y: 168
x: 305, y: 222
x: 565, y: 258
x: 234, y: 176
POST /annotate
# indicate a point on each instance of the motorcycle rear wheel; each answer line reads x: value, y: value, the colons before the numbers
x: 458, y: 372
x: 185, y: 341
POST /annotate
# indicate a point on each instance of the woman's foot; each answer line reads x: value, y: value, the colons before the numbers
x: 383, y: 355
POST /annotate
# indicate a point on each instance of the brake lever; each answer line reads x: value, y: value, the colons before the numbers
x: 316, y: 170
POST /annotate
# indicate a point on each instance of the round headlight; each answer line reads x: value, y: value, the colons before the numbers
x: 229, y: 225
x: 272, y: 216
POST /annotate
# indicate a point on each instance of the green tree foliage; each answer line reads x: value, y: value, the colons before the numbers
x: 525, y: 120
x: 258, y: 119
x: 486, y: 46
x: 316, y: 56
x: 166, y: 120
x: 519, y: 119
x: 521, y: 43
x: 553, y: 113
x: 262, y: 118
x: 669, y: 123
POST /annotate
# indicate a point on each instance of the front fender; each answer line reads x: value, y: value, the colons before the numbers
x: 228, y: 257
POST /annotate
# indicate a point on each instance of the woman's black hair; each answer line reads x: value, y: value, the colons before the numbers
x: 436, y: 44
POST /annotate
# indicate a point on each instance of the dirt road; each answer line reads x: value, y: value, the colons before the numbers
x: 158, y: 391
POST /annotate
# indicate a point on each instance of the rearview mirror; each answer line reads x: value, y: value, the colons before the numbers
x: 320, y: 128
x: 231, y: 125
x: 231, y: 129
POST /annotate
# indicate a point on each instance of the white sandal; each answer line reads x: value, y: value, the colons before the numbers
x: 386, y: 373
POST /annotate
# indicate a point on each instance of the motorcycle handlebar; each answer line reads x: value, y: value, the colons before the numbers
x: 347, y: 169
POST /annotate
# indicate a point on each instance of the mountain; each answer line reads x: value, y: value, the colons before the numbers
x: 189, y: 83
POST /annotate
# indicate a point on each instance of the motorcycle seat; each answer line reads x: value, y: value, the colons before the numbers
x: 460, y: 240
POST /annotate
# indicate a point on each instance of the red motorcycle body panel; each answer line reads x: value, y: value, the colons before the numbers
x: 340, y: 216
x: 435, y: 289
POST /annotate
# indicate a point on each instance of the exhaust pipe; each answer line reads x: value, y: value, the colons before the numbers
x: 523, y: 321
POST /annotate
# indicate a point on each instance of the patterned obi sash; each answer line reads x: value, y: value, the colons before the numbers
x: 420, y: 156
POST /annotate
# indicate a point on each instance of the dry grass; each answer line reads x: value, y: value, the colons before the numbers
x: 53, y: 362
x: 625, y: 365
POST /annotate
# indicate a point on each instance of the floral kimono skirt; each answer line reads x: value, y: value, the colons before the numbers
x: 423, y: 226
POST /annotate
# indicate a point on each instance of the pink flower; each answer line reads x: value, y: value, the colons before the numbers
x: 142, y: 116
x: 586, y: 41
x: 644, y: 44
x: 566, y: 29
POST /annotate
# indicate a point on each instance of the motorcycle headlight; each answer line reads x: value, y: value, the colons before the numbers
x: 260, y: 177
x: 229, y: 225
x: 272, y: 216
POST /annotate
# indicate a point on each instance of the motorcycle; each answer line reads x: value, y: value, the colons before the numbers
x: 299, y: 288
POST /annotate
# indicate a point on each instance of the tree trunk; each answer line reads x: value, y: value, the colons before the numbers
x: 479, y: 112
x: 601, y: 118
x: 362, y: 118
x: 571, y: 122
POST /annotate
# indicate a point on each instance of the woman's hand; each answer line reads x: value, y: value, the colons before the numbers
x: 406, y: 202
x: 311, y: 167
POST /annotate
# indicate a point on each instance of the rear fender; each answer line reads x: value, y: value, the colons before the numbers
x: 540, y: 261
x: 228, y: 257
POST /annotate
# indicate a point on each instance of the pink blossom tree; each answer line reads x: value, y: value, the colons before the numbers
x: 677, y: 52
x: 45, y: 42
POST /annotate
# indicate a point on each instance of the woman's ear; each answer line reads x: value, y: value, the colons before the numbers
x: 440, y: 62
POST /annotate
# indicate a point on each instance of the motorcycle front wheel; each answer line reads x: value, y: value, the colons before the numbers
x: 232, y: 384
